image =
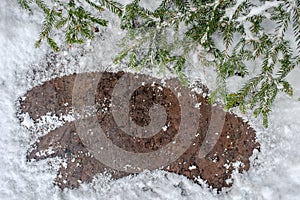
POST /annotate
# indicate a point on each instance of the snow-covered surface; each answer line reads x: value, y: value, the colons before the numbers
x: 274, y: 175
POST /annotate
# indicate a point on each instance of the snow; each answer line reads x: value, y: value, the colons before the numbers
x: 150, y: 4
x: 230, y: 11
x: 260, y: 10
x: 274, y: 175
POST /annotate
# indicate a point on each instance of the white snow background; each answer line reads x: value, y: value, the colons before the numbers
x: 274, y: 175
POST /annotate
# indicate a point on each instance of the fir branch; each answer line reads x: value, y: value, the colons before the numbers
x: 47, y: 26
x: 148, y: 42
x: 41, y: 4
x: 99, y: 8
x: 296, y: 22
x: 25, y: 4
x: 112, y: 6
x: 52, y: 44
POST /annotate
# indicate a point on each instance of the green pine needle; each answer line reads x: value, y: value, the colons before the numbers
x: 205, y: 25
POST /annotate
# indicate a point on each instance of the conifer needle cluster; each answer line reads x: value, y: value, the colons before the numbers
x: 268, y: 31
